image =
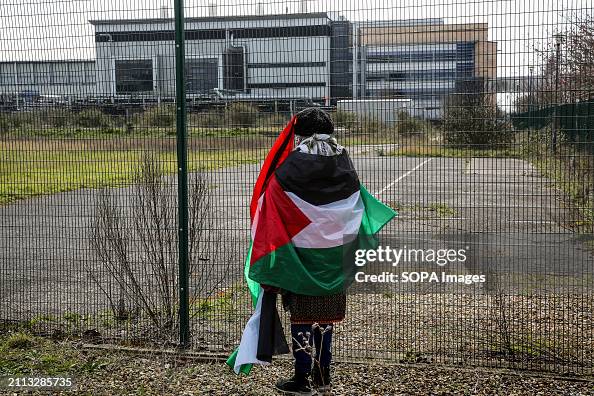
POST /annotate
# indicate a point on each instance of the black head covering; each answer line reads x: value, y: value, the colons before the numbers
x: 313, y: 120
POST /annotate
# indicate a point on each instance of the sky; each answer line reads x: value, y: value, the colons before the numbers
x: 59, y: 29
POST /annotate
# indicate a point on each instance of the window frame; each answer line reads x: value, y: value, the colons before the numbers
x: 219, y: 59
x: 154, y: 64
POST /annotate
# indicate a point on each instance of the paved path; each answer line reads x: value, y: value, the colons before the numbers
x: 503, y: 204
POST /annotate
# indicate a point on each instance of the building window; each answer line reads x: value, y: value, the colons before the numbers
x: 133, y: 76
x: 202, y: 74
x: 76, y: 74
x: 90, y: 73
x: 465, y: 51
x: 60, y: 75
x: 465, y: 69
x: 5, y: 76
x: 286, y: 64
x: 216, y: 34
x: 234, y: 69
x: 287, y: 85
x: 26, y: 74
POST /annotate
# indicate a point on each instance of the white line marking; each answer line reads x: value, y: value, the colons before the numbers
x: 403, y: 176
x: 533, y: 221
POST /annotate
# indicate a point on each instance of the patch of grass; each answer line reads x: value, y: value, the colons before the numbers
x: 30, y: 168
x: 18, y: 341
x: 212, y: 306
x: 528, y: 348
x: 400, y: 206
x: 367, y: 139
x: 72, y: 317
x: 233, y: 132
x: 414, y: 358
x: 40, y: 320
x: 443, y: 210
x: 573, y: 182
x: 433, y: 150
x: 22, y: 353
x: 138, y: 131
x: 440, y: 209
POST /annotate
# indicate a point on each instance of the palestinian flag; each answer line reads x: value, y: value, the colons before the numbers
x: 309, y: 214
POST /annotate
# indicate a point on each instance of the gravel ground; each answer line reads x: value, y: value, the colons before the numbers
x: 146, y: 376
x: 552, y: 332
x: 101, y: 371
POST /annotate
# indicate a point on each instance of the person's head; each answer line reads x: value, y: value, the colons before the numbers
x: 313, y: 120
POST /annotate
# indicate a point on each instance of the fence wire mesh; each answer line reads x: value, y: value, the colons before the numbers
x: 473, y: 119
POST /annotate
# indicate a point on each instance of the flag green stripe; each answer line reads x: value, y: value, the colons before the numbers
x: 376, y: 214
x: 253, y: 286
x: 322, y: 271
x: 245, y: 368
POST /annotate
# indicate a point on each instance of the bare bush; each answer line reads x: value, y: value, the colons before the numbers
x: 139, y: 250
x: 307, y: 344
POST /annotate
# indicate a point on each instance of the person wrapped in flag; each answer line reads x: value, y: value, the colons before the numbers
x: 309, y: 214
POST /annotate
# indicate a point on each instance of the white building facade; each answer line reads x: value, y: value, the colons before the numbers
x: 260, y: 56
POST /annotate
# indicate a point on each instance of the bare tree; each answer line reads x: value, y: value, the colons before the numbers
x: 578, y: 62
x: 567, y: 66
x: 139, y: 250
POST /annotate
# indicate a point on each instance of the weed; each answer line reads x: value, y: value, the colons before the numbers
x: 443, y: 210
x: 19, y: 341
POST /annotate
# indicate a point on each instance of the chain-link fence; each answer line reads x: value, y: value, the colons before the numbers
x: 472, y: 119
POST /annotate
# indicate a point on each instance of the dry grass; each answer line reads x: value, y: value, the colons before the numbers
x: 112, y: 371
x: 31, y: 167
x: 428, y: 149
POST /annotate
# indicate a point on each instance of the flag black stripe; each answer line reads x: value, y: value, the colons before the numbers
x: 271, y: 337
x: 318, y: 179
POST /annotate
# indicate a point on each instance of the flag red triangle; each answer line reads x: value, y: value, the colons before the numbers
x: 279, y: 221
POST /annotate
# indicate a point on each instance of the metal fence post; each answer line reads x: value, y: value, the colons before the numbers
x: 182, y: 176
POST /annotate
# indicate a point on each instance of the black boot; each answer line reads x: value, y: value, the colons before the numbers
x: 321, y: 379
x: 296, y: 385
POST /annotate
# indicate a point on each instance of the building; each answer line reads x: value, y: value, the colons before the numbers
x: 64, y: 78
x: 293, y: 55
x: 318, y: 56
x: 424, y: 60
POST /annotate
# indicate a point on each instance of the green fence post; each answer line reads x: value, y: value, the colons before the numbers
x: 182, y: 176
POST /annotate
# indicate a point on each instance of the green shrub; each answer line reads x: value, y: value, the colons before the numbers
x: 478, y: 124
x: 407, y: 125
x: 345, y: 119
x: 538, y: 142
x: 206, y: 119
x: 158, y: 116
x: 55, y: 117
x: 93, y: 118
x: 276, y: 120
x: 40, y: 118
x: 373, y: 126
x: 5, y: 123
x: 22, y: 119
x: 242, y: 115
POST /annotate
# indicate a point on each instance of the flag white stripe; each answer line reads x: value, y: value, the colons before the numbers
x: 331, y: 224
x: 256, y: 217
x: 248, y: 347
